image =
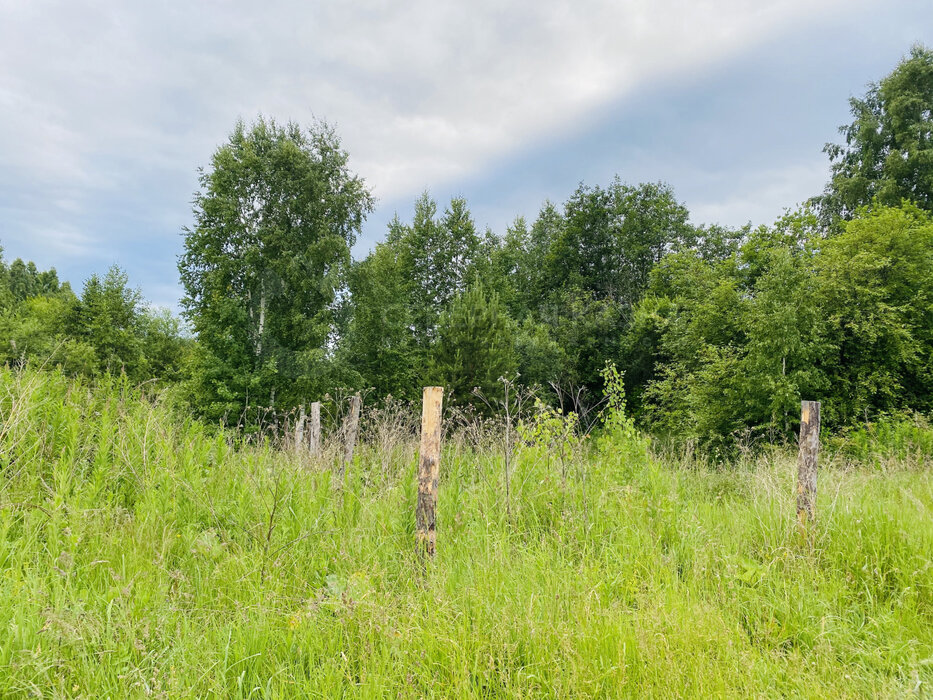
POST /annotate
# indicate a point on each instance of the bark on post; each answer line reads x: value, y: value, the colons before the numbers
x: 807, y: 463
x: 300, y: 429
x: 429, y: 469
x: 353, y: 426
x: 315, y: 429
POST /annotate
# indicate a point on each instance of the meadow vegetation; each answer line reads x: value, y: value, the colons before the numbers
x: 146, y: 554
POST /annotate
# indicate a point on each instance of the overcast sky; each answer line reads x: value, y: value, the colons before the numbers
x: 109, y: 108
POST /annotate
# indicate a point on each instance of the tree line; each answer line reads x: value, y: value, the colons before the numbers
x: 719, y: 331
x: 107, y: 328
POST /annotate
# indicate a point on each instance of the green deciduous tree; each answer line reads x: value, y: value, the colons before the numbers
x: 888, y: 149
x: 730, y: 344
x: 165, y: 347
x: 437, y: 256
x: 731, y: 347
x: 611, y: 238
x: 275, y: 218
x: 400, y: 290
x: 875, y: 287
x: 781, y: 362
x: 539, y: 356
x: 588, y: 330
x: 689, y: 327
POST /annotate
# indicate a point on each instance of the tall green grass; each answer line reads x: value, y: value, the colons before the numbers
x: 892, y: 441
x: 145, y: 555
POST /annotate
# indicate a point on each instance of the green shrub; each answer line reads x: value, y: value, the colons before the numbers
x: 898, y: 437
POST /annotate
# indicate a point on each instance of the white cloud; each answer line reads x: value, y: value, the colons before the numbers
x: 422, y: 93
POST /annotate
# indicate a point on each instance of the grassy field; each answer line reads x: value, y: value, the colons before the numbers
x: 141, y: 555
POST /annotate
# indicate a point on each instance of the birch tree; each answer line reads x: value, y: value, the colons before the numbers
x: 263, y: 265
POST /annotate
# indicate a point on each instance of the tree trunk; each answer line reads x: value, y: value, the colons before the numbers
x: 429, y: 470
x: 262, y: 319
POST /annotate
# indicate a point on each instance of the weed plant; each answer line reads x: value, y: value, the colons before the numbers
x: 146, y: 555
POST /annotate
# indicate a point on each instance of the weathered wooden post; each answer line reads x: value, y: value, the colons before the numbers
x: 429, y: 469
x: 353, y: 426
x: 807, y: 458
x: 300, y: 429
x: 315, y: 429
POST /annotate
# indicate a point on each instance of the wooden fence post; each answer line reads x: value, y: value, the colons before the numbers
x: 807, y: 458
x: 353, y: 426
x: 316, y: 429
x: 300, y: 429
x: 429, y: 469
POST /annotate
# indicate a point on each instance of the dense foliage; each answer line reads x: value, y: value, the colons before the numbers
x: 720, y: 332
x: 793, y: 312
x: 107, y: 329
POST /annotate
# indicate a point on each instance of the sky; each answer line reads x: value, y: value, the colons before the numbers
x: 108, y: 109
